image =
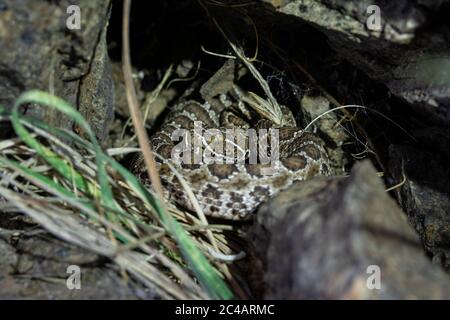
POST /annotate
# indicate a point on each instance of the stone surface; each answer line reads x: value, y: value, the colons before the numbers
x: 410, y: 58
x: 39, y: 52
x: 425, y: 197
x: 319, y: 237
x: 34, y: 266
x: 96, y: 90
x: 316, y: 108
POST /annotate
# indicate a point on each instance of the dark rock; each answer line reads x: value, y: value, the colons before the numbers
x: 435, y: 140
x: 425, y: 197
x: 314, y: 107
x: 35, y: 267
x: 321, y: 237
x: 96, y: 92
x: 407, y: 55
x: 39, y: 52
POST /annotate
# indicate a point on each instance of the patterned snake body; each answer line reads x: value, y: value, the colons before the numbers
x: 231, y: 190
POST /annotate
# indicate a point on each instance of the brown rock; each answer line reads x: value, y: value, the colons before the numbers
x: 425, y: 197
x: 39, y: 52
x: 321, y: 239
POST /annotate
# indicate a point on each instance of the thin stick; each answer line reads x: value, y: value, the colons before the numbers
x: 359, y: 107
x: 133, y: 105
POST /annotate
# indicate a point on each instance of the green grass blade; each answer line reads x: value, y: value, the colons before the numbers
x: 205, y: 272
x: 207, y: 275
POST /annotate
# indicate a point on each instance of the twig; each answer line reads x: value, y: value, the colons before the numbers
x: 133, y: 105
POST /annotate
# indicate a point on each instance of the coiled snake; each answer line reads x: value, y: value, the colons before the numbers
x: 231, y: 190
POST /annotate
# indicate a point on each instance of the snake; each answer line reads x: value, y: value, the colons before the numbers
x: 232, y: 188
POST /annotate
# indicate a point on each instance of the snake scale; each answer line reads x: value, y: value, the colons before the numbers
x: 231, y: 190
